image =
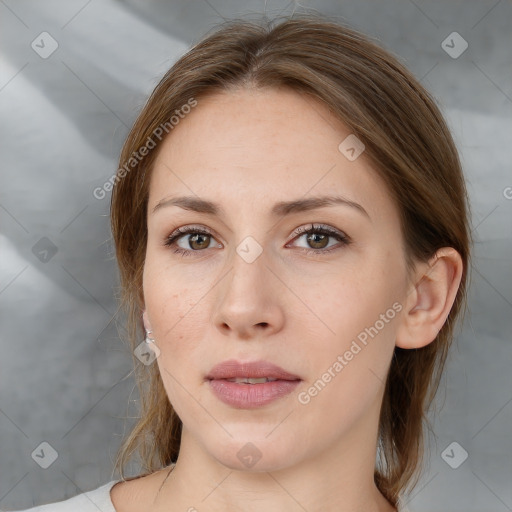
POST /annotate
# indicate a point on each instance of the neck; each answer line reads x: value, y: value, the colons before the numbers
x: 339, y: 478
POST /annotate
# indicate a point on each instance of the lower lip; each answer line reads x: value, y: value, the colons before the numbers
x: 250, y: 396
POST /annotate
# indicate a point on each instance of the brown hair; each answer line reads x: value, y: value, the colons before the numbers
x: 410, y: 146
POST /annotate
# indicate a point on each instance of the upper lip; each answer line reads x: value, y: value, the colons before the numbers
x: 232, y: 369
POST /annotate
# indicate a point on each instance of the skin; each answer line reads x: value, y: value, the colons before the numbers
x: 246, y: 151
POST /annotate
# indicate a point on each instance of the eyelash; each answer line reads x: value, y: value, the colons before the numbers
x: 170, y: 241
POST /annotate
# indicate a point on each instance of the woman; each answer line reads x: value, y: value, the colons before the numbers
x: 291, y: 227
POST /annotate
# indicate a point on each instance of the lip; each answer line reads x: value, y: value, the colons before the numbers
x: 250, y: 396
x: 233, y: 369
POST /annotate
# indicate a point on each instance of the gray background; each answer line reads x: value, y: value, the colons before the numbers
x: 65, y: 374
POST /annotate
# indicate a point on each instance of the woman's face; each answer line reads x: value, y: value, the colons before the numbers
x: 248, y: 285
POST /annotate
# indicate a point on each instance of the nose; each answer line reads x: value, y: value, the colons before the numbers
x: 248, y: 300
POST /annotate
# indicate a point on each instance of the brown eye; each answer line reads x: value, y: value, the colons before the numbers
x: 317, y: 239
x: 199, y: 241
x: 189, y: 240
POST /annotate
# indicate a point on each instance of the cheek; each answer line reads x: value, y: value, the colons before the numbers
x: 167, y: 291
x: 348, y: 374
x: 168, y: 301
x: 356, y: 306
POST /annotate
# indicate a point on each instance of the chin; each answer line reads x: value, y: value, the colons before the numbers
x: 256, y: 454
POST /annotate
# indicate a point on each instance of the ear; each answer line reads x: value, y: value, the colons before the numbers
x: 145, y: 319
x: 430, y: 300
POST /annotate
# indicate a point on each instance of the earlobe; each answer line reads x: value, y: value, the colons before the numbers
x: 431, y: 299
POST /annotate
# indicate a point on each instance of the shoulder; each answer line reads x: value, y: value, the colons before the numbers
x: 134, y: 494
x: 128, y: 495
x: 91, y: 501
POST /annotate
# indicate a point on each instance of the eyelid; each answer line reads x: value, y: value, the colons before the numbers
x: 313, y: 228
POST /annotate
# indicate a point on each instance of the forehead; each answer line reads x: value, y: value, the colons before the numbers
x: 261, y: 143
x: 261, y: 124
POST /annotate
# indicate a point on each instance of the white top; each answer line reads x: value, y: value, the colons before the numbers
x: 97, y: 500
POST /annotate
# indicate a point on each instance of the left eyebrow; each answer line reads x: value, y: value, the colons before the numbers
x: 280, y: 209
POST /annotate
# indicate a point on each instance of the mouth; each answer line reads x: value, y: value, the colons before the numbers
x: 249, y: 380
x: 250, y: 385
